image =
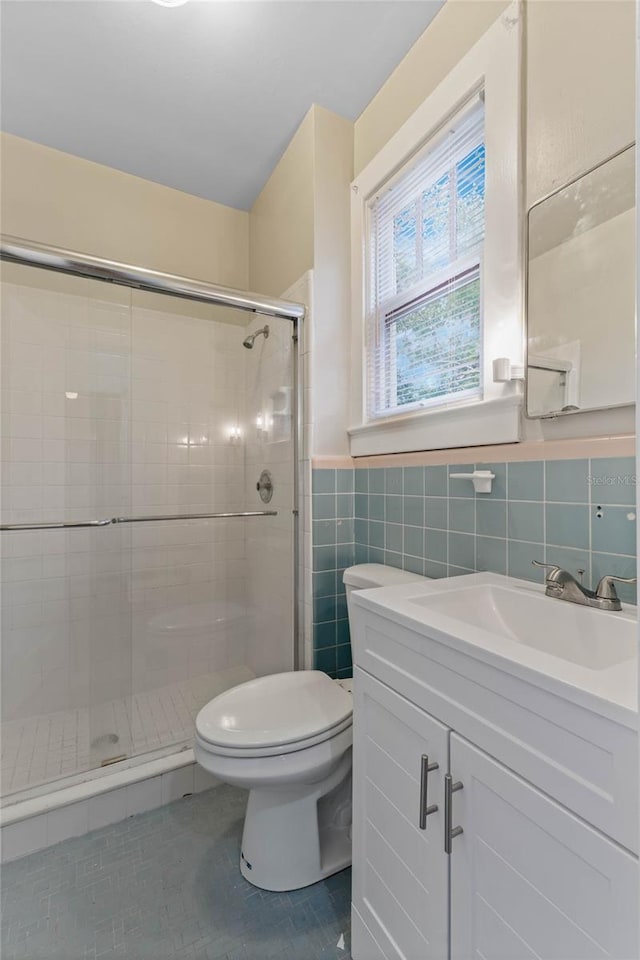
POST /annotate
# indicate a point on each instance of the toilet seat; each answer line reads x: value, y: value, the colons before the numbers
x: 273, y: 750
x: 274, y: 715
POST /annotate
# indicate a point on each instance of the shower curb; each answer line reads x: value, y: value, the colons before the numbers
x: 39, y: 822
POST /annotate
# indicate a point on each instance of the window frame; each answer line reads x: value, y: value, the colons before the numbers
x: 493, y: 66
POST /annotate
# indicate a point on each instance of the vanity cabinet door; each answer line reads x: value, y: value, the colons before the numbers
x: 528, y: 878
x: 400, y: 870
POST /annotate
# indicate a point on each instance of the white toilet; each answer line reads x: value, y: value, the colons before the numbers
x: 287, y: 738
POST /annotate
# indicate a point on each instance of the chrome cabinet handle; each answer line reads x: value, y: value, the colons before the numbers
x: 449, y: 830
x: 425, y: 810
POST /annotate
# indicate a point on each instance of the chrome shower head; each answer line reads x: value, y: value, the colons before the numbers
x: 249, y: 341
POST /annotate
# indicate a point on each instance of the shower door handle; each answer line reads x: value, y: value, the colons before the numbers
x: 62, y: 525
x: 196, y: 516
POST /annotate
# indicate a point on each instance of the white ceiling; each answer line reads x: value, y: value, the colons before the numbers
x: 203, y: 97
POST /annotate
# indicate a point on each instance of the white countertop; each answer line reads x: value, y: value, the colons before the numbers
x: 609, y: 690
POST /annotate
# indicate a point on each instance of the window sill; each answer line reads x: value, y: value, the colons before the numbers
x: 472, y: 424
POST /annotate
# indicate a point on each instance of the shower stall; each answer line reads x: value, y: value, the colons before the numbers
x: 149, y: 511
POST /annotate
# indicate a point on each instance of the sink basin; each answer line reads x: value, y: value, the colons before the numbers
x: 578, y: 652
x: 593, y: 639
x: 491, y: 640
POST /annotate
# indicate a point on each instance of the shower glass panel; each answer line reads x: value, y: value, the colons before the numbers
x: 66, y: 617
x: 122, y: 404
x: 212, y: 599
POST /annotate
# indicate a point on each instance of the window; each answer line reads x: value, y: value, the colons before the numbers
x: 436, y: 263
x: 425, y: 243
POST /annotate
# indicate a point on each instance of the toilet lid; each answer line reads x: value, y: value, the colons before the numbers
x: 274, y: 710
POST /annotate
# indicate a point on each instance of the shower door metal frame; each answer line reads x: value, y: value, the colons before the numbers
x: 57, y: 259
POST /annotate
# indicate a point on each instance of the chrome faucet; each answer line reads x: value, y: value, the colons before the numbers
x: 563, y: 586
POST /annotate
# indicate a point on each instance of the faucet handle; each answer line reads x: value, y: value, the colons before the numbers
x: 606, y: 589
x: 548, y: 566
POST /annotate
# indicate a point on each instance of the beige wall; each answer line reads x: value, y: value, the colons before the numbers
x: 53, y: 197
x: 458, y: 25
x: 580, y: 87
x: 300, y: 222
x: 281, y: 219
x: 331, y: 351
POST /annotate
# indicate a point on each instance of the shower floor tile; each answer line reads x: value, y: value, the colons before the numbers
x: 165, y: 885
x: 43, y: 748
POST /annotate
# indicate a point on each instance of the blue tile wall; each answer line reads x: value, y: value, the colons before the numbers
x: 333, y: 537
x: 577, y: 513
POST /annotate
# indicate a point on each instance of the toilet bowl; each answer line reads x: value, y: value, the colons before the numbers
x: 287, y: 739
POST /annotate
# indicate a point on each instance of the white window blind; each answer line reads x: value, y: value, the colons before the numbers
x: 425, y: 238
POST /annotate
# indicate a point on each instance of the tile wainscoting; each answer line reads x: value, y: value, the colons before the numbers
x: 333, y: 538
x: 579, y: 513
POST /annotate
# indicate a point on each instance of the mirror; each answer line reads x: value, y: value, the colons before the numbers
x: 581, y: 293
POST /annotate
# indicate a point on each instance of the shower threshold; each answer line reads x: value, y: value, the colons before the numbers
x: 92, y: 782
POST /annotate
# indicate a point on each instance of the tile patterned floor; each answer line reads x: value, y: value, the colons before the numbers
x: 43, y: 748
x: 165, y: 885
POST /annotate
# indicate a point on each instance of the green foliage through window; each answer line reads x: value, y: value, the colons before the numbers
x: 436, y: 344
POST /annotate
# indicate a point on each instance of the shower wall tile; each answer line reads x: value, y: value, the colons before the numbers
x: 578, y: 513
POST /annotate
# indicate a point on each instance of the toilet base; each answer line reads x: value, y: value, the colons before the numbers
x: 298, y: 836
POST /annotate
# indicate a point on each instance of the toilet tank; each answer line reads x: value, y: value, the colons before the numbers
x: 365, y: 576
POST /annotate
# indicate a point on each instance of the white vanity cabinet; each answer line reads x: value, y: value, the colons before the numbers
x: 528, y: 878
x: 524, y: 878
x: 400, y: 874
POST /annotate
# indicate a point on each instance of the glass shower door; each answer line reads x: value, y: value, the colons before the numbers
x: 212, y: 598
x: 191, y: 623
x: 66, y: 626
x: 147, y: 410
